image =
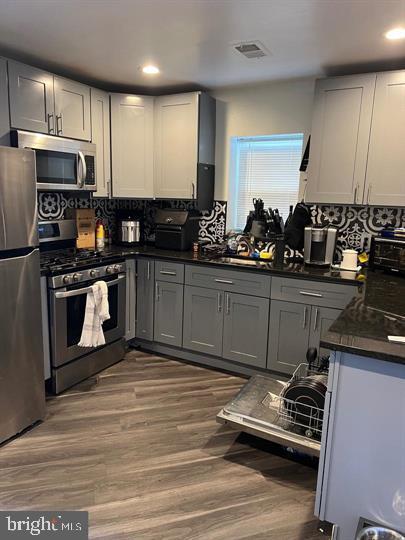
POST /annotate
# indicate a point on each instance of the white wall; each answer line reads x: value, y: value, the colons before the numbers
x: 261, y: 109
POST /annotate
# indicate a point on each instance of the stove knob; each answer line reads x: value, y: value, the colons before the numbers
x: 117, y: 267
x: 94, y: 273
x: 77, y: 276
x: 109, y: 270
x: 67, y: 279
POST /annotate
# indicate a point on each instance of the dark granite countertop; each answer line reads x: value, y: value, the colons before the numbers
x: 290, y: 270
x: 377, y: 311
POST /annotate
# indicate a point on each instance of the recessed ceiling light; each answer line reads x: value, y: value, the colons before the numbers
x: 395, y: 33
x: 150, y: 70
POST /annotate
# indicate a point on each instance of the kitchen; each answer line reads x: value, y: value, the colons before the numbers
x: 201, y: 268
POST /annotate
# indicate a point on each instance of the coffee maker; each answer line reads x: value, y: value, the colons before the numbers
x: 319, y: 245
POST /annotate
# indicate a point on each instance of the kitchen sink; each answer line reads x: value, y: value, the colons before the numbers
x: 244, y: 261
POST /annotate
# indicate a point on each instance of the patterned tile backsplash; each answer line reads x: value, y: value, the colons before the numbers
x: 52, y: 205
x: 357, y: 224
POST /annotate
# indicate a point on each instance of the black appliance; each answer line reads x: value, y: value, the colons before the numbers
x: 388, y: 254
x: 176, y: 229
x: 294, y: 232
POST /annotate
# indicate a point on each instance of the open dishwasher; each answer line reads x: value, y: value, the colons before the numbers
x: 288, y: 413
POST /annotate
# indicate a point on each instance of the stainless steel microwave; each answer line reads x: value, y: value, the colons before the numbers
x: 61, y: 164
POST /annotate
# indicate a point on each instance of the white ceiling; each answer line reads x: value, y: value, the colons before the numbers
x: 105, y: 41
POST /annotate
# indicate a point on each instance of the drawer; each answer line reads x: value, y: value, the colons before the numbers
x: 228, y: 280
x: 168, y: 271
x: 316, y: 293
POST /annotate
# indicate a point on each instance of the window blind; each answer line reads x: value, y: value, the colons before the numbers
x: 266, y: 168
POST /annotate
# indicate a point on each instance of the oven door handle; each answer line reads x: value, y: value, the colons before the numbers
x: 85, y: 290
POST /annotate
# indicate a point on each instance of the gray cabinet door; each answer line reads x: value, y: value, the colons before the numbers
x: 386, y: 158
x: 130, y: 317
x: 321, y: 320
x: 72, y: 109
x: 144, y: 299
x: 168, y: 313
x: 288, y: 335
x: 176, y: 145
x: 203, y: 320
x: 31, y: 98
x: 100, y: 136
x: 339, y: 139
x: 132, y: 145
x: 245, y: 329
x: 4, y: 109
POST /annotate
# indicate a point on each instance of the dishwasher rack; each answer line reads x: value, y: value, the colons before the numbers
x: 261, y: 409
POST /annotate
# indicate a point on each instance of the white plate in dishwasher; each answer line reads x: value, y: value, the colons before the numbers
x: 255, y: 410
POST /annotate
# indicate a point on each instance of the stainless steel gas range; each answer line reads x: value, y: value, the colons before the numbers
x: 70, y: 275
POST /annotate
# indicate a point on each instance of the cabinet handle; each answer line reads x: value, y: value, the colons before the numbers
x: 355, y: 193
x: 307, y: 293
x: 369, y: 193
x: 167, y: 273
x: 304, y: 322
x: 59, y: 129
x: 219, y: 304
x: 148, y: 271
x: 50, y: 129
x: 193, y: 188
x: 224, y: 281
x: 228, y: 304
x: 157, y: 291
x: 316, y: 319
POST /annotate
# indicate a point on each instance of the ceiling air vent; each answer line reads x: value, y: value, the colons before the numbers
x: 251, y: 49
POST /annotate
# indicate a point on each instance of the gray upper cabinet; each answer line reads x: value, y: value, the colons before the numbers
x: 4, y: 108
x: 321, y: 319
x: 100, y: 136
x: 176, y: 145
x: 340, y: 138
x: 144, y: 298
x: 72, y: 109
x: 168, y: 324
x: 203, y: 320
x: 288, y: 335
x: 185, y: 147
x: 385, y: 184
x: 132, y: 145
x: 245, y: 329
x: 31, y: 93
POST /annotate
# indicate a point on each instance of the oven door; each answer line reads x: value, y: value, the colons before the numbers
x: 67, y: 309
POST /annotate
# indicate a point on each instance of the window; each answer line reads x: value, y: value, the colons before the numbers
x: 266, y: 168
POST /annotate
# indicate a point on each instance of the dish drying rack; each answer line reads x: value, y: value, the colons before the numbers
x: 295, y: 416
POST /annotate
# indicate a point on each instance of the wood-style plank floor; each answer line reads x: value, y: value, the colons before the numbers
x: 138, y: 447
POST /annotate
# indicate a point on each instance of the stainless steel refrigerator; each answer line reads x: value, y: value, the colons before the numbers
x: 22, y: 394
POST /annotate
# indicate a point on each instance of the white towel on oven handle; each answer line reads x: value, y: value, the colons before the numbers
x: 97, y: 311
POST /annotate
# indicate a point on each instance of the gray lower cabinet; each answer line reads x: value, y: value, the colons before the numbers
x: 293, y: 328
x: 168, y: 327
x: 246, y: 321
x: 288, y: 335
x: 321, y: 319
x: 203, y: 320
x: 144, y: 298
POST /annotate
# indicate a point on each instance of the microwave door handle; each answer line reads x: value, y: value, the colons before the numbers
x: 84, y: 290
x: 82, y: 177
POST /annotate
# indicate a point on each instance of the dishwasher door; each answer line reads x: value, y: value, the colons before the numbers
x: 256, y: 410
